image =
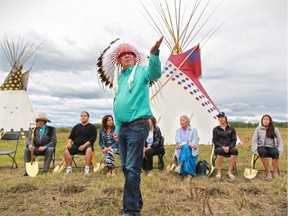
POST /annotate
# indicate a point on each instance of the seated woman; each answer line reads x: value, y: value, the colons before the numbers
x: 108, y: 144
x: 224, y: 139
x: 267, y: 142
x: 186, y: 149
x: 154, y: 146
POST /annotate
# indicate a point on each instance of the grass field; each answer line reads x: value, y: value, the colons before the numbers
x: 164, y: 194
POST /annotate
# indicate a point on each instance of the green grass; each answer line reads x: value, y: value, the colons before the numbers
x: 164, y: 194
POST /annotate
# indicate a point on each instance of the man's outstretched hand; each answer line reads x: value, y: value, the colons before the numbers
x: 156, y: 46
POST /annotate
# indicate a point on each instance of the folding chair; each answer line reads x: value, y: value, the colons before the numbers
x: 161, y: 164
x: 213, y: 161
x: 81, y: 153
x: 13, y: 139
x: 73, y: 159
x: 254, y: 165
x: 53, y: 157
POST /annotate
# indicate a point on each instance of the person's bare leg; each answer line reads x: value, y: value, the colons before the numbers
x: 265, y: 163
x: 219, y: 163
x: 231, y: 163
x: 275, y: 164
x: 88, y: 156
x: 68, y: 157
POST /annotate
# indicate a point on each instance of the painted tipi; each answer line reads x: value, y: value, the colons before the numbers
x: 16, y: 109
x: 180, y: 91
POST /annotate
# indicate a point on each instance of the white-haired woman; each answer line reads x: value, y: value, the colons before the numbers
x: 186, y: 149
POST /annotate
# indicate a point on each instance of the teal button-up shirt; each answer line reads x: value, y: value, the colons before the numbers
x: 131, y: 104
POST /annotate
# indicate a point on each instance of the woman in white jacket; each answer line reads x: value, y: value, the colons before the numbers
x: 267, y: 142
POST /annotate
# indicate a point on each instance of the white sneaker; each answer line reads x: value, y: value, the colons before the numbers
x: 68, y: 170
x: 87, y: 170
x: 218, y: 176
x: 231, y: 176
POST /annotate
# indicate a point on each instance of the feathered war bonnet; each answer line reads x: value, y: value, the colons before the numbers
x: 108, y: 67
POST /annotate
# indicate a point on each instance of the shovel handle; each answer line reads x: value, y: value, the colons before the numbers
x: 32, y: 144
x: 252, y: 161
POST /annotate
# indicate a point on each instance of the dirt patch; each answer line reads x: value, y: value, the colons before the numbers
x: 23, y: 189
x: 212, y: 191
x: 71, y: 189
x: 104, y: 201
x: 113, y: 190
x: 252, y: 191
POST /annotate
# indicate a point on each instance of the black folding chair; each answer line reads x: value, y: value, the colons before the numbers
x: 12, y: 139
x: 73, y: 159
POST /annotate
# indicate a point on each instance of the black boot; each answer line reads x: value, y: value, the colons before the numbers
x: 24, y: 173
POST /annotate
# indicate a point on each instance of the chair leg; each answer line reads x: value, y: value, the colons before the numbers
x: 13, y: 161
x: 235, y: 168
x: 74, y: 161
x: 160, y: 162
x: 53, y: 160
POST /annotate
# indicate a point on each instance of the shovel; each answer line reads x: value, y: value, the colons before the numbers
x: 96, y: 166
x: 32, y: 167
x: 211, y: 162
x: 60, y: 167
x: 250, y: 173
x: 171, y: 167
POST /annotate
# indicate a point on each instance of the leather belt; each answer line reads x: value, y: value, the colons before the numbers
x: 140, y: 120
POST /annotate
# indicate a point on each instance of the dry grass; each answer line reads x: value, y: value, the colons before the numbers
x: 164, y: 194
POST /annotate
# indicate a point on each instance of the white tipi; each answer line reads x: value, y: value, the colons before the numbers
x: 16, y: 110
x: 180, y: 92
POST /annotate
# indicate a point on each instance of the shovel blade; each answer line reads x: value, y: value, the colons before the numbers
x: 61, y: 168
x: 211, y: 171
x: 96, y: 167
x: 56, y: 169
x: 100, y: 168
x: 250, y: 173
x: 32, y: 169
x: 168, y: 168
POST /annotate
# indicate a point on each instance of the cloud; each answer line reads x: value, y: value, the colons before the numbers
x: 244, y: 64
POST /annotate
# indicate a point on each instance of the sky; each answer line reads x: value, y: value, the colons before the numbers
x: 244, y: 64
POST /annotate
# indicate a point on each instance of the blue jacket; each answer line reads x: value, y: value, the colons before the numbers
x: 103, y: 139
x: 192, y: 137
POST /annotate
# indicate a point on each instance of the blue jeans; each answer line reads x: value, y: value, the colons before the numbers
x: 131, y: 142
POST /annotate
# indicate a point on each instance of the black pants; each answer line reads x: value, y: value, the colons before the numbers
x: 148, y: 160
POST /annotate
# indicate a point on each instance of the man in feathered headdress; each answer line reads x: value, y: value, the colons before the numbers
x: 132, y: 111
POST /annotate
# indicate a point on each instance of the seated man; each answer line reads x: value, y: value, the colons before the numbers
x: 43, y: 144
x: 81, y: 140
x: 224, y: 139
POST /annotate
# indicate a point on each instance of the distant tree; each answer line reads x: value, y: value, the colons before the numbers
x: 239, y: 124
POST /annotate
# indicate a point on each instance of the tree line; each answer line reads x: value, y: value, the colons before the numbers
x: 236, y: 124
x: 239, y: 124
